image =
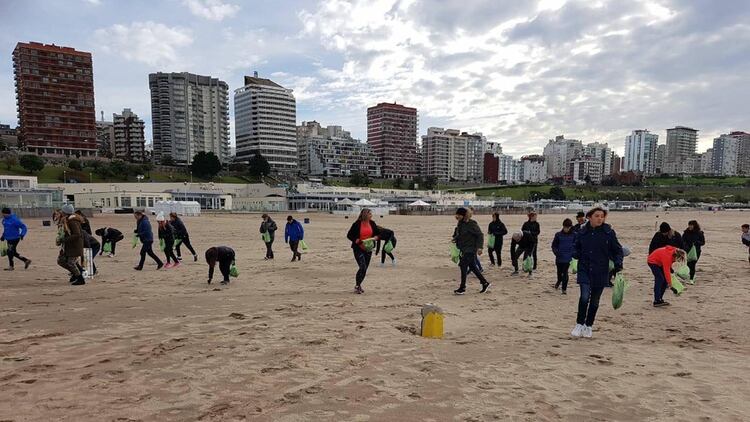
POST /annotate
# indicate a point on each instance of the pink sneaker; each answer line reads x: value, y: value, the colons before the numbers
x: 168, y: 266
x: 176, y: 264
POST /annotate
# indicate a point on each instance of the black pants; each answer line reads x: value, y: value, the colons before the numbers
x: 468, y: 263
x: 514, y: 257
x: 186, y: 242
x: 94, y: 251
x: 497, y: 250
x: 224, y: 266
x: 13, y: 251
x: 147, y: 249
x: 562, y: 275
x: 294, y: 246
x: 588, y: 304
x: 384, y: 253
x: 363, y: 261
x: 269, y: 249
x: 112, y: 242
x: 169, y: 252
x: 691, y: 265
x: 533, y: 254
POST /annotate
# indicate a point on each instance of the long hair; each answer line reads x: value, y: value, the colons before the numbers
x: 696, y: 226
x: 363, y: 213
x: 679, y: 256
x: 496, y: 216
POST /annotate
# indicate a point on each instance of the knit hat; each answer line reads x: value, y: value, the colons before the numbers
x: 67, y: 209
x: 664, y: 227
x: 461, y: 211
x: 160, y: 217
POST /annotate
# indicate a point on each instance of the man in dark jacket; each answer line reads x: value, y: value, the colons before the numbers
x: 665, y: 237
x: 72, y: 244
x: 580, y: 221
x: 562, y: 248
x: 532, y: 226
x: 268, y: 226
x: 386, y: 235
x: 181, y: 236
x: 111, y: 236
x: 293, y: 234
x: 470, y: 241
x: 146, y: 236
x: 498, y: 230
x: 521, y: 243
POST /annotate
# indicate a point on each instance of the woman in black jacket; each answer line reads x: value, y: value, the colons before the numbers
x: 665, y: 237
x: 532, y: 226
x: 497, y: 229
x: 693, y: 236
x: 361, y: 230
x: 181, y: 233
x: 225, y: 257
x: 111, y: 236
x: 386, y: 235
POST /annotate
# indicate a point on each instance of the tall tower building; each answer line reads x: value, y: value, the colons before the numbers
x: 190, y: 114
x: 558, y: 152
x: 640, y: 152
x: 681, y: 146
x: 55, y: 98
x: 392, y: 133
x: 129, y: 140
x: 265, y: 115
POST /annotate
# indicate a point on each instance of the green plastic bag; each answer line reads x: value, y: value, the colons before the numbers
x: 233, y: 271
x: 491, y: 241
x: 455, y: 253
x: 162, y: 244
x: 528, y: 264
x: 60, y: 236
x: 618, y: 291
x: 3, y: 248
x: 303, y: 245
x: 692, y: 256
x: 388, y: 248
x: 266, y: 237
x: 177, y: 241
x: 369, y: 244
x: 135, y: 240
x: 574, y: 266
x: 683, y: 272
x: 611, y: 265
x: 107, y: 248
x: 678, y: 286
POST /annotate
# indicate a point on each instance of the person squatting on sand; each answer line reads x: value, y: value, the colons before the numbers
x: 293, y: 234
x: 470, y: 241
x: 532, y: 226
x: 111, y: 236
x: 71, y: 243
x: 268, y: 229
x: 181, y: 234
x: 363, y: 233
x: 14, y: 230
x: 497, y: 229
x: 562, y: 248
x: 660, y: 261
x: 146, y: 236
x: 665, y: 236
x: 521, y: 243
x: 386, y: 235
x: 166, y: 233
x: 224, y: 256
x: 693, y: 237
x: 745, y: 237
x: 595, y: 245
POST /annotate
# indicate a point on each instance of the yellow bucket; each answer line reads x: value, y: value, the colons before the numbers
x: 432, y: 322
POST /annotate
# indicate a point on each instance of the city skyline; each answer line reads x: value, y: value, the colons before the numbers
x: 492, y: 68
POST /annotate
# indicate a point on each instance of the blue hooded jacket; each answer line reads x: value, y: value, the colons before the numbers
x: 293, y: 231
x: 13, y: 228
x: 145, y: 234
x: 563, y: 246
x: 594, y: 248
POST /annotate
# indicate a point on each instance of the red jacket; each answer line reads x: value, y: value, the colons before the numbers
x: 665, y: 258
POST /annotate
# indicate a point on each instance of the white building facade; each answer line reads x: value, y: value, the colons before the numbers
x: 725, y: 155
x: 533, y: 169
x: 558, y: 152
x: 640, y: 152
x: 331, y: 151
x: 452, y: 155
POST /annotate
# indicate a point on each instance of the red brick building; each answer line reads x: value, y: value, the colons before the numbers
x: 392, y: 134
x: 55, y: 96
x: 491, y: 167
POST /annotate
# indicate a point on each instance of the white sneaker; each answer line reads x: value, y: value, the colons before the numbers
x: 577, y: 331
x: 393, y: 262
x: 587, y: 332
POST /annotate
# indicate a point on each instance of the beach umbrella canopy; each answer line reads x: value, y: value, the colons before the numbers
x: 364, y: 203
x: 419, y: 203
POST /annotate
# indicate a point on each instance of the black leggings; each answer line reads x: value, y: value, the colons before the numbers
x: 169, y: 252
x: 363, y: 261
x: 562, y: 275
x: 384, y: 253
x: 691, y: 265
x: 186, y: 242
x: 13, y: 251
x: 269, y: 249
x: 497, y: 250
x: 147, y: 249
x: 469, y: 263
x: 533, y: 254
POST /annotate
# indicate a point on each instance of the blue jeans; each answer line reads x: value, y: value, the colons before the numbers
x: 660, y: 282
x: 588, y: 304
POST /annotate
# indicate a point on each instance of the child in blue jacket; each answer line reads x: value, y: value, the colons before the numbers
x: 563, y: 246
x: 13, y: 233
x: 293, y: 233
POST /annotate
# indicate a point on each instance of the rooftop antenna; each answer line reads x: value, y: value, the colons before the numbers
x: 102, y: 115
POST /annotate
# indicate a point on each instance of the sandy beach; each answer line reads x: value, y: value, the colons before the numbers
x: 291, y: 342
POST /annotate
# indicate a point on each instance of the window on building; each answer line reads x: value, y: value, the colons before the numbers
x: 125, y: 200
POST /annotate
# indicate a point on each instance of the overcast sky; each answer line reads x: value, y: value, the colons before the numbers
x: 519, y: 71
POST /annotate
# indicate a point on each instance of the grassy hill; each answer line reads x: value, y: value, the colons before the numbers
x: 56, y: 174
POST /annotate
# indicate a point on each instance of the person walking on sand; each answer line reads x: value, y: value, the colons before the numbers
x: 595, y: 245
x: 745, y: 237
x: 85, y: 225
x: 181, y: 234
x: 111, y: 236
x: 71, y: 243
x: 268, y: 229
x: 580, y: 221
x: 14, y: 230
x: 362, y: 230
x: 498, y: 230
x: 693, y: 237
x: 532, y: 226
x: 660, y: 261
x: 293, y: 234
x: 470, y: 241
x: 166, y: 233
x: 664, y: 237
x: 224, y: 256
x: 522, y: 243
x: 386, y: 235
x: 562, y: 248
x: 146, y: 236
x: 470, y: 215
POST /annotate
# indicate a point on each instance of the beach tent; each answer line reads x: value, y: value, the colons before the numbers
x: 419, y: 203
x: 364, y: 203
x: 187, y: 208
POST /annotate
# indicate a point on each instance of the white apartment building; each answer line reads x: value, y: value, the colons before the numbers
x: 602, y: 152
x: 640, y: 152
x: 586, y: 167
x: 507, y: 169
x: 265, y: 116
x: 331, y: 151
x: 558, y: 152
x: 725, y: 155
x: 533, y: 169
x: 129, y: 141
x: 681, y: 146
x: 707, y: 162
x: 449, y: 154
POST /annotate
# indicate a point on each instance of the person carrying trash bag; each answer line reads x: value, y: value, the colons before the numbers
x: 363, y: 234
x: 562, y: 248
x: 71, y: 244
x: 388, y: 240
x: 145, y: 234
x: 182, y: 237
x: 225, y: 256
x: 521, y: 243
x: 109, y: 236
x: 595, y: 245
x: 268, y: 230
x: 14, y: 230
x: 532, y: 226
x: 293, y: 235
x: 470, y: 241
x: 692, y: 240
x: 660, y: 261
x: 495, y: 233
x: 166, y: 241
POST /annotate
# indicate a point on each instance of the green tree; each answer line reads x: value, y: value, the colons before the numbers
x: 398, y: 182
x: 556, y: 192
x: 359, y: 179
x: 32, y: 163
x: 430, y: 182
x: 75, y: 165
x: 10, y: 159
x: 206, y: 165
x: 167, y: 160
x: 258, y: 166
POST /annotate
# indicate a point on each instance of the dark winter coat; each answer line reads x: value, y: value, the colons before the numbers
x: 353, y: 233
x: 692, y: 238
x: 269, y: 226
x: 526, y: 244
x: 468, y: 236
x: 111, y: 235
x: 166, y: 232
x: 497, y: 229
x: 72, y: 242
x: 180, y: 231
x: 594, y: 248
x: 563, y: 245
x: 533, y: 228
x: 293, y: 231
x: 661, y: 240
x: 143, y: 230
x: 90, y: 241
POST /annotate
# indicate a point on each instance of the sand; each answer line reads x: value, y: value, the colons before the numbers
x: 291, y: 342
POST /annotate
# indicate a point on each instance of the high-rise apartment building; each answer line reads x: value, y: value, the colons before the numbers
x: 190, y: 114
x: 586, y: 169
x: 681, y: 145
x: 508, y: 169
x: 331, y: 151
x: 725, y: 155
x: 533, y: 169
x: 129, y: 138
x: 105, y: 138
x: 558, y: 152
x: 392, y: 134
x: 661, y: 152
x: 743, y: 152
x: 640, y: 152
x: 55, y: 98
x: 602, y: 152
x: 265, y: 115
x: 452, y: 155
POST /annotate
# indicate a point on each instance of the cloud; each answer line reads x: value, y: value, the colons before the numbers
x: 214, y: 10
x: 94, y: 2
x: 154, y: 44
